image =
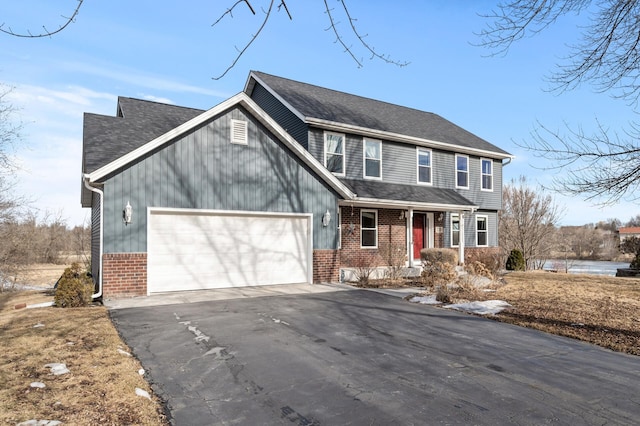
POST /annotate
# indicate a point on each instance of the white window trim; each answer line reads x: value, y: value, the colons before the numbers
x: 456, y: 171
x: 344, y: 151
x: 482, y: 175
x: 368, y: 229
x: 418, y: 150
x: 239, y: 132
x: 364, y: 158
x: 454, y: 215
x: 486, y: 231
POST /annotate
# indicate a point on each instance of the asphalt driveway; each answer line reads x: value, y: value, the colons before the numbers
x: 364, y: 358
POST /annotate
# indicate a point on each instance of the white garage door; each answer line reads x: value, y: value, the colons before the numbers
x: 195, y: 249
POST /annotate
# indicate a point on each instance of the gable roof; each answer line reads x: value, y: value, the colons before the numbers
x: 108, y: 138
x: 342, y: 111
x: 143, y: 146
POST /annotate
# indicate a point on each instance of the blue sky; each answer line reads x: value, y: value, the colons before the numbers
x: 169, y: 52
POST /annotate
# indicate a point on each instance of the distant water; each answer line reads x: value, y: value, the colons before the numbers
x: 597, y: 267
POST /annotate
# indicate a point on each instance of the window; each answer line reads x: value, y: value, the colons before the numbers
x: 486, y: 172
x: 482, y: 237
x: 334, y: 152
x: 455, y: 230
x: 462, y: 171
x: 424, y: 165
x: 372, y: 154
x: 239, y: 133
x: 368, y: 228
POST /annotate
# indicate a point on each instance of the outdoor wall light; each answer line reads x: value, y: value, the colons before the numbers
x: 127, y: 213
x: 440, y: 216
x: 326, y: 218
x: 401, y: 215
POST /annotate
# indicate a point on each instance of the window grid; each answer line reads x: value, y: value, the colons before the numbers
x: 486, y: 174
x: 482, y: 233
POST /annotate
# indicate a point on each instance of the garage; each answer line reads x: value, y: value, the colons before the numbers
x: 200, y: 249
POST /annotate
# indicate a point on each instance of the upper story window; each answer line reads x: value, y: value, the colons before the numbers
x: 334, y: 152
x: 455, y: 230
x: 486, y: 171
x: 424, y: 165
x: 372, y: 155
x: 462, y: 171
x: 368, y: 228
x: 482, y: 233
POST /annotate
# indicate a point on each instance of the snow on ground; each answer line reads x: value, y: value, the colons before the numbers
x: 487, y: 307
x: 429, y: 299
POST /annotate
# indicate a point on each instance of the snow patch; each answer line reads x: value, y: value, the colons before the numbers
x: 38, y: 385
x: 38, y: 325
x: 143, y: 393
x: 57, y: 368
x: 488, y: 307
x: 141, y: 372
x: 429, y: 299
x: 40, y: 423
x: 200, y: 336
x: 125, y: 353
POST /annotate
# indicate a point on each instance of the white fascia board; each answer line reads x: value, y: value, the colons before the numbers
x: 252, y: 107
x: 397, y: 137
x: 275, y: 95
x: 396, y: 204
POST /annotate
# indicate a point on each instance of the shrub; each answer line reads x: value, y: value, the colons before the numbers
x: 363, y: 264
x: 490, y: 257
x: 74, y: 288
x: 438, y: 266
x: 515, y: 261
x: 433, y: 255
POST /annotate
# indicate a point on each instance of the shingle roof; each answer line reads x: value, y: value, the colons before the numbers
x: 315, y: 102
x: 629, y: 230
x: 108, y: 138
x: 406, y: 193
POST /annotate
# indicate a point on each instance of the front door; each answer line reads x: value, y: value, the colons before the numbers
x: 418, y: 234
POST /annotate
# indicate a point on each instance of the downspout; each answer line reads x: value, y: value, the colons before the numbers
x: 100, y: 247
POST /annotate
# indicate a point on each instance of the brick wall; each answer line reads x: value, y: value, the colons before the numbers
x: 124, y: 274
x: 392, y: 235
x: 326, y: 266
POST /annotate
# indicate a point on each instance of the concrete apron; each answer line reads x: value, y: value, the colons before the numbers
x: 191, y: 296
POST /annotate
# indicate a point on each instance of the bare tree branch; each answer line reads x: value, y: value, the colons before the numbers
x: 603, y: 167
x: 45, y: 32
x: 253, y: 37
x: 10, y: 129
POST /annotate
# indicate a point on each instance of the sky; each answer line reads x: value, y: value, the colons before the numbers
x: 170, y: 52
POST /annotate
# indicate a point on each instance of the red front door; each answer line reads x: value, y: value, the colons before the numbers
x: 418, y: 235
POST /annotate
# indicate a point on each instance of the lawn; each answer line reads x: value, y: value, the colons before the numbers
x: 101, y: 385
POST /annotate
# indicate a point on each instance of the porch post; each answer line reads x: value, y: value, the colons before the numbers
x: 410, y: 236
x: 461, y: 240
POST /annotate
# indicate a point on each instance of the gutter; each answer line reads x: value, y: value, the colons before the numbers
x: 85, y: 180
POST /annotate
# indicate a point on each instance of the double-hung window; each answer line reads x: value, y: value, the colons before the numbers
x: 462, y: 171
x: 334, y: 152
x: 482, y: 234
x: 455, y: 230
x: 368, y: 228
x: 486, y: 172
x: 372, y: 156
x: 424, y: 165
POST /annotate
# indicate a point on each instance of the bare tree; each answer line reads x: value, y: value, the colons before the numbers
x: 634, y: 221
x: 604, y: 166
x: 527, y: 222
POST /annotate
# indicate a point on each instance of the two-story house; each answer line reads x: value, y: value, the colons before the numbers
x: 285, y: 182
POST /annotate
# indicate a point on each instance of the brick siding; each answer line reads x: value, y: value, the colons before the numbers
x: 124, y: 274
x: 326, y: 266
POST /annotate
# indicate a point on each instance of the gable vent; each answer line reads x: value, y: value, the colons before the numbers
x: 239, y: 132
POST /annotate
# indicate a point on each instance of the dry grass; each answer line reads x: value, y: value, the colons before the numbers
x: 597, y: 309
x: 100, y: 388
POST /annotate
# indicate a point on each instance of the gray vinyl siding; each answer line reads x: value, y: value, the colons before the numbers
x: 297, y: 128
x: 470, y: 228
x: 399, y: 165
x: 95, y: 237
x: 203, y: 170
